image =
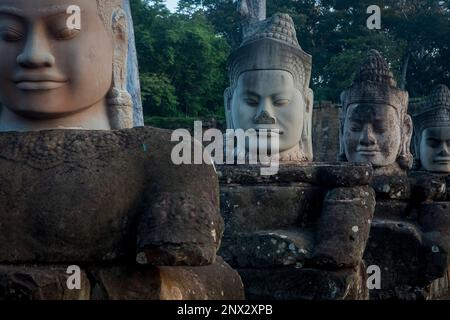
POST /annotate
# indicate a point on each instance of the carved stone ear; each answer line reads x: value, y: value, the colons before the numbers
x: 120, y: 103
x: 405, y: 158
x: 309, y: 101
x: 228, y: 95
x: 415, y: 149
x: 342, y: 156
x: 120, y: 47
x: 306, y: 138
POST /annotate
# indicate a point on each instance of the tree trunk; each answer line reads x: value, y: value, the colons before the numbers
x: 404, y: 70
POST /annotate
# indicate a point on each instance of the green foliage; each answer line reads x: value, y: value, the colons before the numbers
x: 158, y: 95
x: 182, y: 61
x: 183, y: 55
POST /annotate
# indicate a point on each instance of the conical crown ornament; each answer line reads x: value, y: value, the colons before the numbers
x: 375, y: 83
x: 435, y: 111
x: 375, y: 69
x: 272, y: 44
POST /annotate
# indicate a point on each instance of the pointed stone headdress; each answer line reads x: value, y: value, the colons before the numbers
x: 272, y: 44
x: 375, y: 83
x: 435, y: 111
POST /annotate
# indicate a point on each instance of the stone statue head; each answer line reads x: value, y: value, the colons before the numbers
x: 432, y: 132
x: 269, y: 77
x: 54, y: 76
x: 375, y: 125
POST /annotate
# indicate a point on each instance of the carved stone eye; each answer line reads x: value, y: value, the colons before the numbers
x: 281, y: 102
x: 66, y: 34
x: 354, y: 127
x: 252, y: 102
x: 433, y: 143
x: 10, y: 35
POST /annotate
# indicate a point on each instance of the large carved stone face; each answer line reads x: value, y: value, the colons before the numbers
x: 48, y: 70
x: 372, y: 134
x: 435, y: 149
x: 268, y: 99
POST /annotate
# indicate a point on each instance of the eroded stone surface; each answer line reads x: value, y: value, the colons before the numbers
x: 394, y: 209
x: 266, y: 249
x: 284, y: 232
x: 321, y: 174
x: 91, y: 196
x: 395, y: 187
x: 407, y: 260
x: 344, y: 227
x: 296, y: 283
x: 270, y: 207
x: 428, y: 187
x: 122, y: 282
x: 215, y: 282
x: 40, y: 283
x: 409, y: 237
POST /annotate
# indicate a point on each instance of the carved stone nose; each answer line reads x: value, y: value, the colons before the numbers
x: 366, y: 138
x: 264, y: 118
x: 444, y: 150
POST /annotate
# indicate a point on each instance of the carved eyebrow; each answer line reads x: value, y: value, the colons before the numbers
x: 358, y: 118
x: 11, y: 10
x: 54, y: 9
x: 250, y: 93
x: 48, y: 11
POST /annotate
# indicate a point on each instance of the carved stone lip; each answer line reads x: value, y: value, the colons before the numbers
x: 23, y: 77
x: 270, y: 132
x: 368, y: 153
x: 442, y: 161
x: 39, y: 85
x: 31, y: 82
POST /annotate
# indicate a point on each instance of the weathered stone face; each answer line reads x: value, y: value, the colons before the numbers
x: 432, y: 131
x: 55, y: 77
x: 372, y: 134
x: 435, y: 150
x: 269, y: 89
x: 268, y: 99
x: 375, y: 126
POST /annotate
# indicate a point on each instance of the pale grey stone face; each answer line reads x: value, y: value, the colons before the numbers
x: 268, y: 99
x: 372, y: 134
x: 435, y: 149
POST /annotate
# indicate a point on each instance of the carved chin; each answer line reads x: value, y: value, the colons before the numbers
x: 442, y: 167
x: 377, y: 159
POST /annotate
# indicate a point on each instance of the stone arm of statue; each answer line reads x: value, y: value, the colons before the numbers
x: 181, y: 222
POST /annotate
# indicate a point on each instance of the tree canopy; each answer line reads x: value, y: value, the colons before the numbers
x: 183, y: 55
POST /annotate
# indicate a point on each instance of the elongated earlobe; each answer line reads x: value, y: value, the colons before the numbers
x: 306, y: 138
x: 405, y: 159
x: 120, y: 103
x: 228, y: 95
